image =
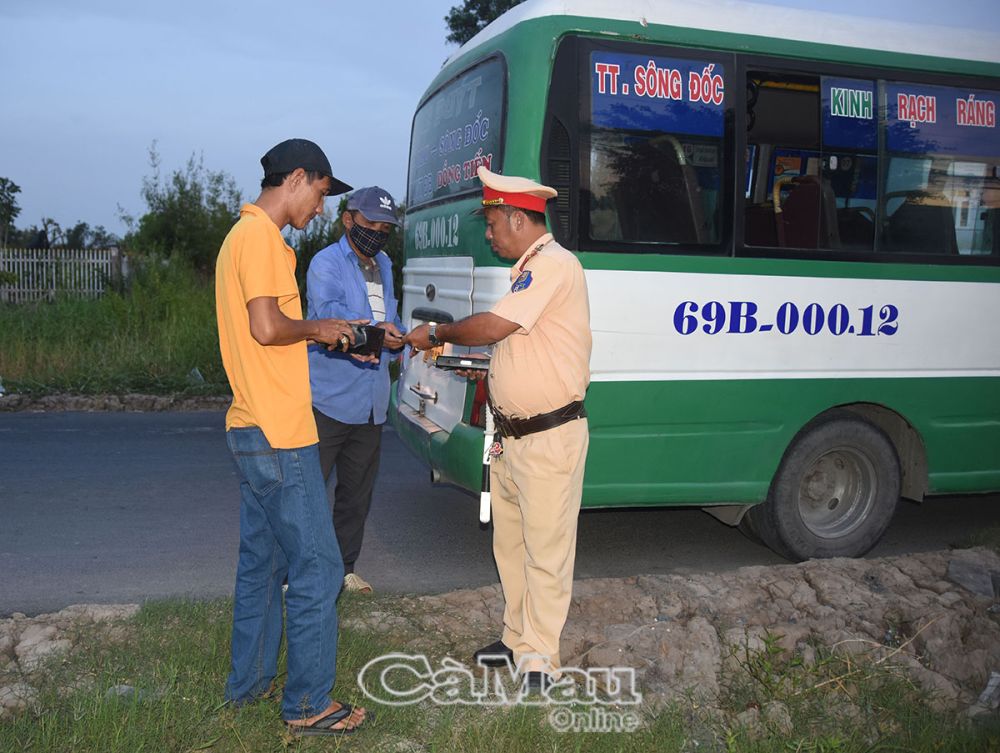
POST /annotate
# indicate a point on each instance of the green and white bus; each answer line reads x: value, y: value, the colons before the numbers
x: 790, y: 226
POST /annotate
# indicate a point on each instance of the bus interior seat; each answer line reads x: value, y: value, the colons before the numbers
x: 671, y: 207
x: 923, y: 224
x: 759, y: 225
x: 856, y: 226
x: 808, y: 216
x: 991, y: 230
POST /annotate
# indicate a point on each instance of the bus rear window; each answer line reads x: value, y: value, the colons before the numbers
x: 456, y: 130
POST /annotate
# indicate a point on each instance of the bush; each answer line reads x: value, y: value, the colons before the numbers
x: 188, y: 214
x: 145, y: 339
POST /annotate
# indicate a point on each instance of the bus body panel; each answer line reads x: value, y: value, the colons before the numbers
x: 720, y: 443
x: 439, y: 289
x: 706, y: 442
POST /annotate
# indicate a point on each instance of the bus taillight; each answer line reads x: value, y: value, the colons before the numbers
x: 479, y: 405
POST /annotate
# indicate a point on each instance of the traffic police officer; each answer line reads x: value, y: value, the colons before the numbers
x: 538, y: 377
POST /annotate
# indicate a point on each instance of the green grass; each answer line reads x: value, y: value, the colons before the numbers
x: 987, y: 537
x: 176, y: 653
x: 146, y: 339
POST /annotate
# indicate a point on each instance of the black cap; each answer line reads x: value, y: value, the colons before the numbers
x: 294, y: 153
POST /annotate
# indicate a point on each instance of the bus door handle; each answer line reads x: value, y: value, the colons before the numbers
x: 424, y: 393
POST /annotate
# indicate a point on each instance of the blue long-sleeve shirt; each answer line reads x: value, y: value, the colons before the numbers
x: 343, y: 388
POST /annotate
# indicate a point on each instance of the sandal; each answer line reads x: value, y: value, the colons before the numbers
x: 324, y: 723
x: 354, y: 583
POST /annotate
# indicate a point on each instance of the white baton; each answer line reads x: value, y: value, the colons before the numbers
x: 484, y: 495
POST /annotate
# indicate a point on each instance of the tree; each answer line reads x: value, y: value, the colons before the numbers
x: 9, y: 210
x: 82, y: 235
x: 53, y: 234
x: 472, y: 16
x: 32, y: 236
x: 49, y: 234
x: 188, y: 214
x: 76, y: 236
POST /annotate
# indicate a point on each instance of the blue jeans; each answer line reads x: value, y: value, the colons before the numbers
x: 285, y: 530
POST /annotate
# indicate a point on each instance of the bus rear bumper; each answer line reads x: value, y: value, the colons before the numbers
x: 454, y: 457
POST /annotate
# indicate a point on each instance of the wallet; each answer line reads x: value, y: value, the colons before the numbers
x: 367, y: 340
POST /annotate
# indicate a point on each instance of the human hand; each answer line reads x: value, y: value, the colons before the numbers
x: 416, y: 338
x: 475, y: 375
x: 337, y: 334
x: 393, y: 337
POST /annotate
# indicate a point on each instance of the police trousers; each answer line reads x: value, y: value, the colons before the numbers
x: 536, y: 486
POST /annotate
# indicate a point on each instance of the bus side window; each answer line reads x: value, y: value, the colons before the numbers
x: 644, y: 188
x: 652, y: 191
x: 817, y: 187
x: 942, y: 182
x: 937, y: 205
x: 654, y: 171
x: 788, y: 205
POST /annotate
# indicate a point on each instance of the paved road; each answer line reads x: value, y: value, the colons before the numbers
x: 122, y: 507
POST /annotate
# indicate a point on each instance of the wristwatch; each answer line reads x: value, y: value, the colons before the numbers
x: 432, y: 337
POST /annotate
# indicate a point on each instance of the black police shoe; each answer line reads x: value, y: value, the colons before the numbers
x: 494, y: 655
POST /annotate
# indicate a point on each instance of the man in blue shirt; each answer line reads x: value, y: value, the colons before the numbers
x: 352, y: 279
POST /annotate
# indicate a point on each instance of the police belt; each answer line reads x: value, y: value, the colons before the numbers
x: 520, y: 427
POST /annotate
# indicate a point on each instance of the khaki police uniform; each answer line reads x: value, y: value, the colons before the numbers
x: 537, y: 482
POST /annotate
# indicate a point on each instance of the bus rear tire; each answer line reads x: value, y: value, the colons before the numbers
x: 835, y: 492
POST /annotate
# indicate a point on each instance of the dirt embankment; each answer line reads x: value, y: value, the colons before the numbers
x: 935, y: 614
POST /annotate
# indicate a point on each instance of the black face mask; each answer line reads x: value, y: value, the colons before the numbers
x: 367, y: 241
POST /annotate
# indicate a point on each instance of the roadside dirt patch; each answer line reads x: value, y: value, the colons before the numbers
x: 113, y: 403
x: 936, y: 615
x: 27, y: 644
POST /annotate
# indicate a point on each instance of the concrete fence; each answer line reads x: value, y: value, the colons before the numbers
x: 41, y: 274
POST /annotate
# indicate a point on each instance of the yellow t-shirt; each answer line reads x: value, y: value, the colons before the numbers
x: 270, y: 382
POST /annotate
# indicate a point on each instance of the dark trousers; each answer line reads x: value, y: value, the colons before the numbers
x: 354, y: 450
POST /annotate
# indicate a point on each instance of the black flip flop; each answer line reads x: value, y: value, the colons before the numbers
x: 324, y: 725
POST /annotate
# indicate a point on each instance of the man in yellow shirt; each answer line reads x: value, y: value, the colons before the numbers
x: 285, y: 525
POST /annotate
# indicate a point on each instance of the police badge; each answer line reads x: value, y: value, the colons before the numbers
x: 523, y: 281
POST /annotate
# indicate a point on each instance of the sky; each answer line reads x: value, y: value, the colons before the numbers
x: 90, y: 86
